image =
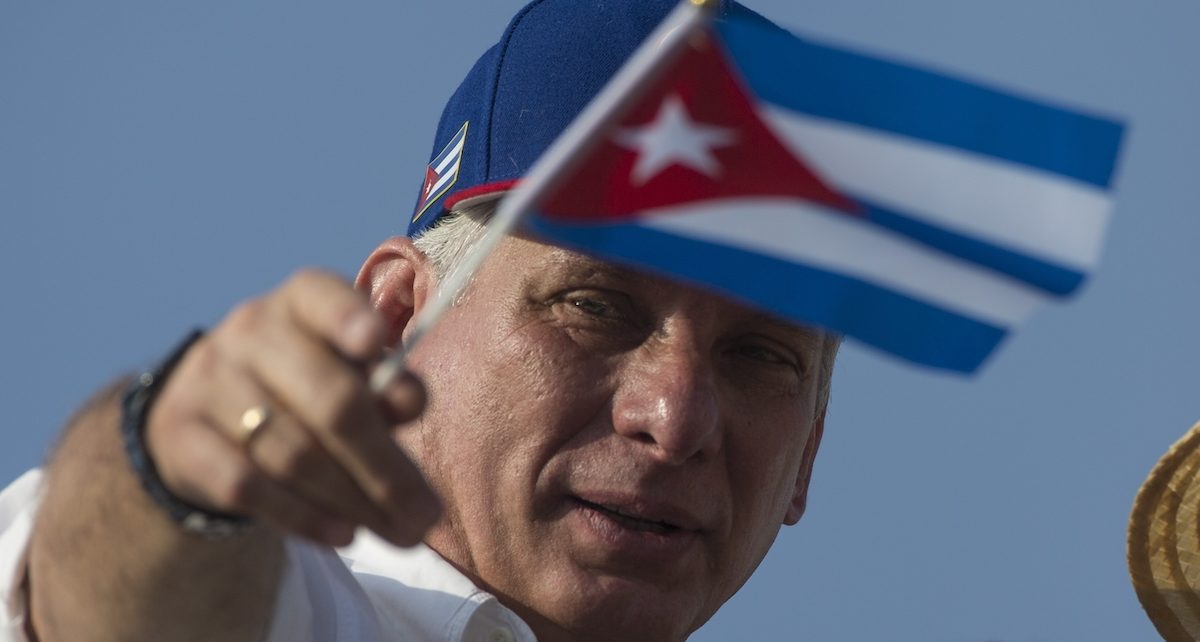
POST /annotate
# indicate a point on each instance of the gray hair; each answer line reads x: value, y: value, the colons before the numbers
x: 452, y: 238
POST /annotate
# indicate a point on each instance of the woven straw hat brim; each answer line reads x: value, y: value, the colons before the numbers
x: 1163, y: 543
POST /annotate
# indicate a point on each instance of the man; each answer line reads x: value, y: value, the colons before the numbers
x: 603, y: 455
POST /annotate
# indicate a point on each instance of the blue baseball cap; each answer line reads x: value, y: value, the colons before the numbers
x: 553, y: 58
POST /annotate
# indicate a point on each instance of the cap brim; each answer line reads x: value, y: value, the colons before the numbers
x: 479, y: 194
x: 1163, y: 545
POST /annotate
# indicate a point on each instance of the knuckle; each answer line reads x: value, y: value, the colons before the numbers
x: 203, y: 358
x: 245, y: 316
x: 305, y: 278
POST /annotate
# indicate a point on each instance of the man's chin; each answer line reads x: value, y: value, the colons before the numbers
x: 624, y: 580
x: 613, y: 607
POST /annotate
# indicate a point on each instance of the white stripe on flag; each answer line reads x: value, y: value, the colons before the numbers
x: 452, y: 156
x: 446, y: 177
x: 1045, y: 216
x: 804, y: 233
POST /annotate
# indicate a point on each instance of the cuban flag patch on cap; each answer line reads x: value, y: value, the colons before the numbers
x: 442, y: 172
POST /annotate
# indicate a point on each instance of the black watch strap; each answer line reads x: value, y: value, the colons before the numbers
x: 135, y: 411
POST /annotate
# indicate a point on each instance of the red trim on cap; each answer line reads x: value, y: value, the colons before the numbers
x: 477, y: 191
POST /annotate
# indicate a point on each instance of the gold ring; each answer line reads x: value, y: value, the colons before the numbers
x: 253, y: 420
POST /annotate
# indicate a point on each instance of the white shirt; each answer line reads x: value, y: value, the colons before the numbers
x: 369, y: 591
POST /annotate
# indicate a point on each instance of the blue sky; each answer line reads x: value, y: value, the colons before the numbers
x: 161, y: 161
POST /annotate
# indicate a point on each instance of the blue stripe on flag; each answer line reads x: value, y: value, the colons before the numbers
x: 874, y: 315
x: 840, y: 85
x: 1052, y: 278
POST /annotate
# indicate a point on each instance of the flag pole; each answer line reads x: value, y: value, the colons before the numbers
x: 662, y: 47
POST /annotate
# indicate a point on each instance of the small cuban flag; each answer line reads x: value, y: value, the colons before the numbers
x: 919, y: 213
x: 442, y: 172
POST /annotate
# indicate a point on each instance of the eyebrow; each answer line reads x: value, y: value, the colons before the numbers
x: 571, y: 261
x: 808, y: 334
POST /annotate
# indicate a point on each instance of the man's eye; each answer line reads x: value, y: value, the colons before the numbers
x: 600, y: 304
x: 763, y: 353
x: 769, y: 354
x: 593, y: 307
x: 602, y: 310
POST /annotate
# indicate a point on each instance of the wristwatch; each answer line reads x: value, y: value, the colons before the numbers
x: 135, y: 410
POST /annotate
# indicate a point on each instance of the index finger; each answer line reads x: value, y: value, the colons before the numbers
x: 327, y: 306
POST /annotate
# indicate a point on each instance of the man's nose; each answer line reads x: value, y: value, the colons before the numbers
x: 669, y: 400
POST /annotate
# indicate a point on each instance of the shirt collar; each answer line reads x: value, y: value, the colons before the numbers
x: 403, y: 580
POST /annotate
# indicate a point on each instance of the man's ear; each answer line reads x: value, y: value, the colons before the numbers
x: 397, y: 278
x: 800, y: 498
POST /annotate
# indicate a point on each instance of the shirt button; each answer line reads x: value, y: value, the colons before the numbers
x: 501, y: 635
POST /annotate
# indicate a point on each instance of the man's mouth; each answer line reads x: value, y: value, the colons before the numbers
x: 635, y: 533
x: 630, y: 521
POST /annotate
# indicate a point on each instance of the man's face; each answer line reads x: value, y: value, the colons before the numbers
x: 616, y: 452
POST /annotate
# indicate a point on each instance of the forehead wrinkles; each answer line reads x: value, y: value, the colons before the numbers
x: 561, y: 261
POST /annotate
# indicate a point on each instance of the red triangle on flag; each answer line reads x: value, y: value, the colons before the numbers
x: 650, y: 162
x: 431, y: 179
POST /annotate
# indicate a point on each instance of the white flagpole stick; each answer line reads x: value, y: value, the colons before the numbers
x: 651, y: 58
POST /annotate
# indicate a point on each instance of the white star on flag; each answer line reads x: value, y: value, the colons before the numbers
x: 674, y: 138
